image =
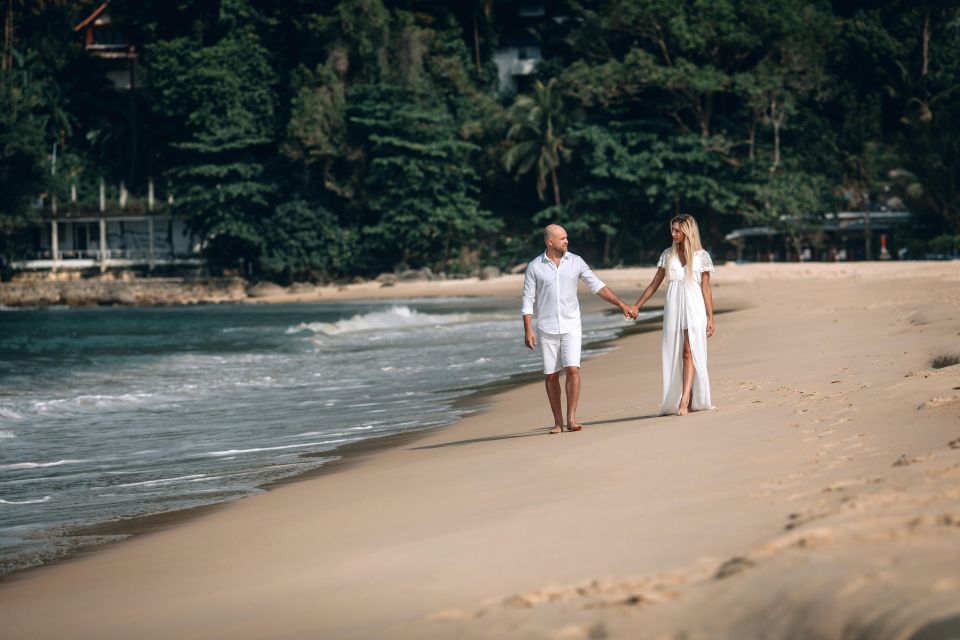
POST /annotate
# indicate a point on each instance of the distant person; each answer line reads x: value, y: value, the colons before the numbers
x: 687, y: 318
x: 551, y: 282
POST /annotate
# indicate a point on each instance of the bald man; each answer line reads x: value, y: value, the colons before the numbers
x: 551, y: 282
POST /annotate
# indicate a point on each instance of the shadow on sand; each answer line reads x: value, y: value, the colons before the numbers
x: 542, y: 431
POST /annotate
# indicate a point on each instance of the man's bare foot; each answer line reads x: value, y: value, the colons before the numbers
x: 573, y: 426
x: 556, y: 428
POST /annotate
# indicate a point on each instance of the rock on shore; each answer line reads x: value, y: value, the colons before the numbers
x: 142, y: 292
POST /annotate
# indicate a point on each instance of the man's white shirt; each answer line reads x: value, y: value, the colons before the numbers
x: 554, y: 290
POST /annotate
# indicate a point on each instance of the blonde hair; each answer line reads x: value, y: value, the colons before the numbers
x: 691, y: 240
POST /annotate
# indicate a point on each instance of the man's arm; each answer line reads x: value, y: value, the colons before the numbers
x: 598, y: 287
x: 529, y: 335
x: 526, y: 307
x: 607, y: 294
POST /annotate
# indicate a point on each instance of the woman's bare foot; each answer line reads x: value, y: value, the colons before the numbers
x: 684, y: 407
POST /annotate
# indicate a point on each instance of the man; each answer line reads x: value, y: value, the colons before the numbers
x: 551, y: 281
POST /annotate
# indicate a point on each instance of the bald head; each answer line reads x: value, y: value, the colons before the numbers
x: 552, y: 231
x: 555, y: 238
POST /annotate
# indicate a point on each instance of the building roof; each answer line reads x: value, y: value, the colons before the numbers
x: 749, y: 232
x: 92, y: 17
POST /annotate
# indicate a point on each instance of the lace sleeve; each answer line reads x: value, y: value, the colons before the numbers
x: 706, y: 263
x: 662, y: 262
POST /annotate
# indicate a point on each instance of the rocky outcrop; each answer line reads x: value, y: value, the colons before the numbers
x: 265, y: 289
x: 141, y: 292
x: 417, y: 275
x: 489, y: 273
x: 519, y: 268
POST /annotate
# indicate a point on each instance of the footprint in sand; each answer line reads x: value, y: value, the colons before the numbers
x: 799, y: 519
x: 904, y: 460
x: 940, y: 402
x: 840, y: 485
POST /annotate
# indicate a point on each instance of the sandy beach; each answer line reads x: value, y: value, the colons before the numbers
x: 821, y: 499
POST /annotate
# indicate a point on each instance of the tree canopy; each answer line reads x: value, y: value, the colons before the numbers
x: 320, y: 139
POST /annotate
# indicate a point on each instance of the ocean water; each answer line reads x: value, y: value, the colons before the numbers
x: 113, y: 413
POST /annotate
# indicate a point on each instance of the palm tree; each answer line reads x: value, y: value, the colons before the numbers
x: 537, y: 134
x: 487, y: 7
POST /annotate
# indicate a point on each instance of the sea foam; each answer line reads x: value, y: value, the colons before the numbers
x: 197, y: 477
x: 10, y: 414
x: 233, y: 452
x: 398, y: 317
x: 37, y: 501
x: 36, y: 465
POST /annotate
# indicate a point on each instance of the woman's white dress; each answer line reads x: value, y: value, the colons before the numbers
x: 684, y: 310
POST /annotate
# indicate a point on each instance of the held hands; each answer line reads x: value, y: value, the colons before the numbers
x: 632, y: 312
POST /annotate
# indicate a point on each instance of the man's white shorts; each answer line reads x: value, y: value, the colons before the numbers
x: 560, y: 350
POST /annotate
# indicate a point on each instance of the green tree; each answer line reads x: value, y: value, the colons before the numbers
x: 931, y: 138
x: 316, y: 130
x: 221, y: 98
x: 34, y: 112
x: 638, y: 174
x: 537, y: 133
x: 793, y: 202
x: 304, y: 241
x: 24, y: 170
x: 421, y: 205
x: 895, y: 66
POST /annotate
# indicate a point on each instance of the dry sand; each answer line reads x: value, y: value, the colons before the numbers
x: 820, y: 500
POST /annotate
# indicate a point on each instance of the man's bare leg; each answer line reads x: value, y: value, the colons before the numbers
x: 573, y: 397
x: 688, y: 371
x: 553, y: 395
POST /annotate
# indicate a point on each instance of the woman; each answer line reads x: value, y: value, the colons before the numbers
x: 687, y: 318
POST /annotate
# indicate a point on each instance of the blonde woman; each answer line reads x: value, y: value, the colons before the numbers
x: 687, y: 318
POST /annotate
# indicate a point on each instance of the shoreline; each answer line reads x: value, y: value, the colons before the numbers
x: 344, y: 456
x: 819, y: 499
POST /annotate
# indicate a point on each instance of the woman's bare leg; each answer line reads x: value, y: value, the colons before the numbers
x: 688, y: 371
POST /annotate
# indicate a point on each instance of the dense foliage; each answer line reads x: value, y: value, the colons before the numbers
x: 317, y: 139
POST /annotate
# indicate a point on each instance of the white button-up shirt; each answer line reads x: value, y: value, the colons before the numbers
x: 554, y: 290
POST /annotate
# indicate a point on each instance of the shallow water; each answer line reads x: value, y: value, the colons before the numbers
x: 110, y: 413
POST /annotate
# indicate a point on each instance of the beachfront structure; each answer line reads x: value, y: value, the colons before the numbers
x: 127, y: 234
x: 103, y: 40
x: 110, y: 241
x: 518, y: 52
x: 846, y: 235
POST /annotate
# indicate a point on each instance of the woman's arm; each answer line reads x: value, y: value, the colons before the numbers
x: 651, y: 288
x: 707, y: 300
